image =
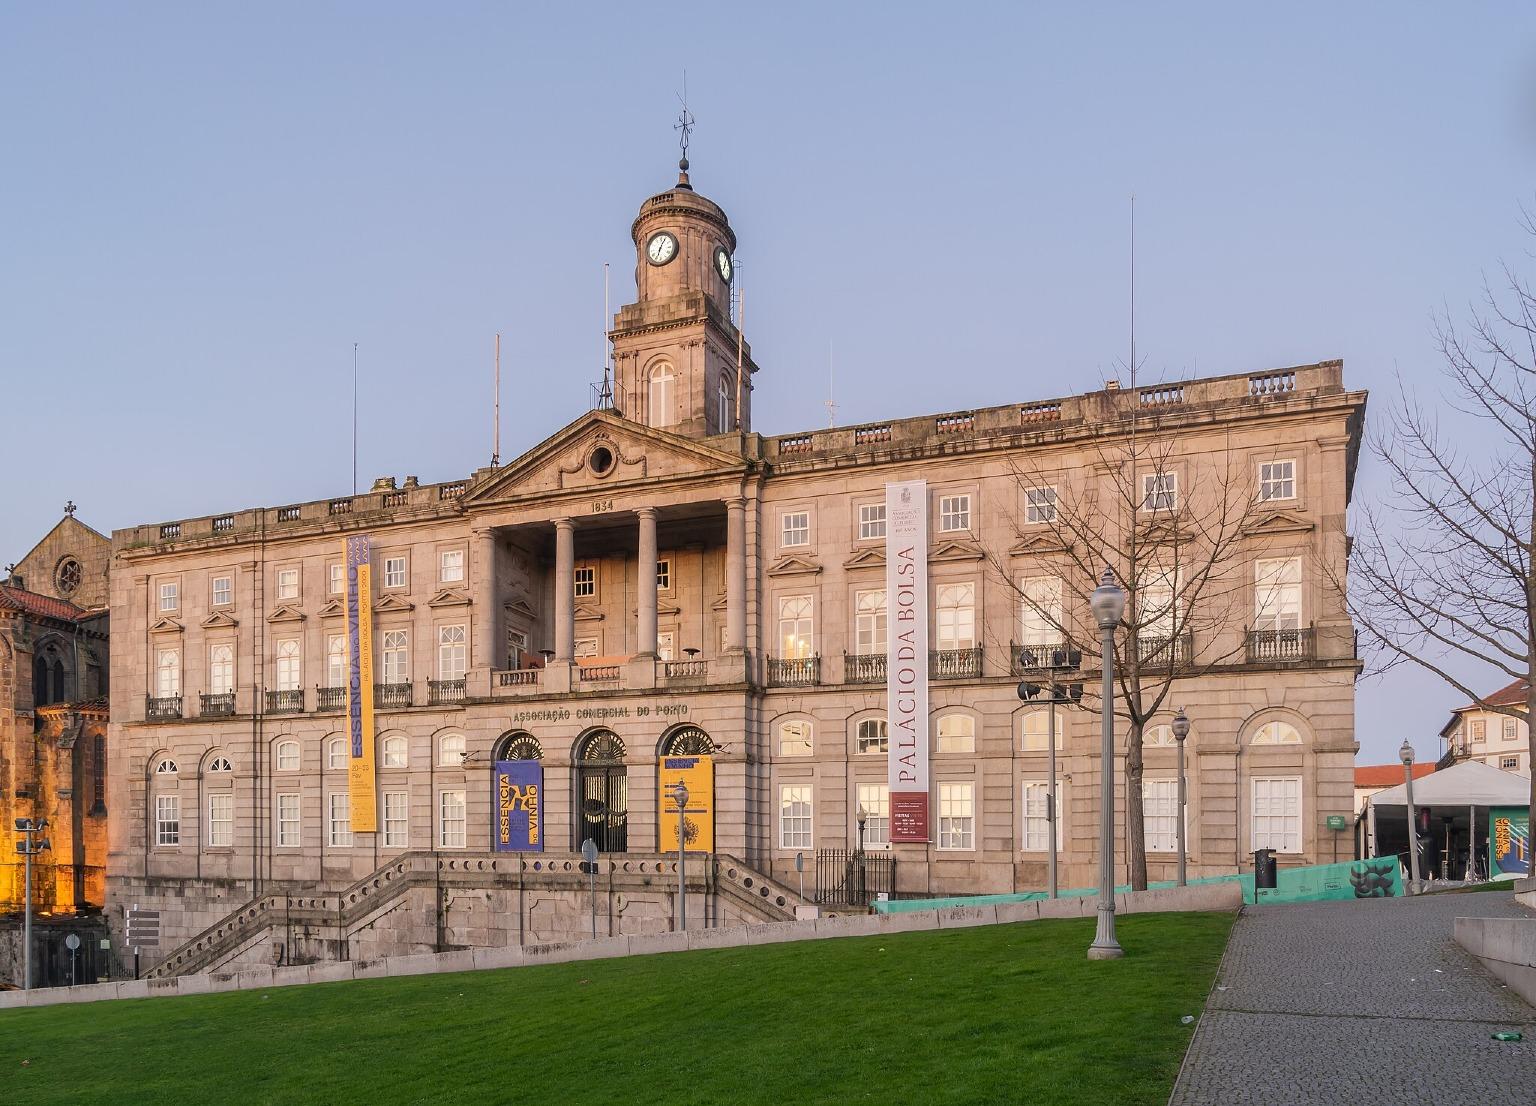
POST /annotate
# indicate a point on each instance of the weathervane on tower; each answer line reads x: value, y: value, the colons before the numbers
x: 684, y: 126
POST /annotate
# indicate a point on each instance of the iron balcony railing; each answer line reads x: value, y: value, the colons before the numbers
x: 445, y: 691
x: 160, y: 707
x: 853, y: 878
x: 330, y: 698
x: 1044, y: 657
x: 864, y: 668
x: 794, y: 671
x: 1280, y: 646
x: 1165, y: 652
x: 392, y: 695
x: 287, y: 701
x: 219, y: 704
x: 955, y: 664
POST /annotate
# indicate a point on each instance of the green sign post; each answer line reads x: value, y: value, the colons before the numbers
x: 1336, y: 824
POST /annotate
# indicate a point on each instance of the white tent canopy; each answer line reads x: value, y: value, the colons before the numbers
x: 1470, y: 783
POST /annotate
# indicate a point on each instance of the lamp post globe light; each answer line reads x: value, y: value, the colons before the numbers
x: 680, y: 796
x: 1108, y: 606
x: 1180, y: 732
x: 1406, y: 753
x: 30, y: 845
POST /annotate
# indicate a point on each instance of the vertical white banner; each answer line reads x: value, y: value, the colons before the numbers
x: 906, y: 659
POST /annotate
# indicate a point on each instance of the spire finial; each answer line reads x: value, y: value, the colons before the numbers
x: 684, y: 127
x: 70, y: 508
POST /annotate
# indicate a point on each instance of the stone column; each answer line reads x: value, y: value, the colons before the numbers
x: 647, y: 581
x: 735, y: 575
x: 482, y: 566
x: 565, y: 584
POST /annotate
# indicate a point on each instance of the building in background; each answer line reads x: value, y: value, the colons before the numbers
x: 1371, y: 778
x: 1498, y: 740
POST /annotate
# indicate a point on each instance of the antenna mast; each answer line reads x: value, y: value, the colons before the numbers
x: 496, y: 407
x: 604, y: 397
x: 831, y: 403
x: 354, y: 418
x: 741, y: 321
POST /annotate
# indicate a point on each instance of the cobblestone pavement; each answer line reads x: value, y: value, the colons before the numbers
x: 1360, y: 1002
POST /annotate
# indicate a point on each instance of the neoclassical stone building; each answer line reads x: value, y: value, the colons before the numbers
x: 656, y: 580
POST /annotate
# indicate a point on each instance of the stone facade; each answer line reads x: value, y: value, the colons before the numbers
x: 1474, y: 733
x: 659, y: 574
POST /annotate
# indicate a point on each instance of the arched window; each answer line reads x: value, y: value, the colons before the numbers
x: 602, y: 792
x: 601, y: 746
x: 220, y: 764
x: 1276, y: 733
x: 451, y: 750
x: 687, y: 741
x: 1158, y: 737
x: 336, y: 752
x: 287, y: 756
x: 874, y: 736
x: 166, y: 767
x: 956, y: 733
x: 1035, y: 729
x: 396, y: 754
x: 519, y: 746
x: 662, y: 398
x: 723, y: 413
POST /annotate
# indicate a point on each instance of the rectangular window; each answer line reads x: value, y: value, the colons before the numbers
x: 1509, y: 729
x: 795, y: 628
x: 586, y: 582
x: 223, y: 591
x: 394, y: 572
x: 1277, y: 594
x: 664, y: 575
x: 168, y: 819
x: 1037, y: 827
x: 1160, y: 814
x: 289, y: 668
x: 586, y: 647
x: 955, y: 616
x: 874, y: 736
x: 221, y: 820
x: 517, y: 647
x: 451, y: 824
x: 957, y: 816
x: 451, y: 656
x: 170, y: 595
x: 450, y: 566
x: 396, y: 668
x: 336, y: 578
x: 666, y: 645
x: 871, y: 521
x: 795, y: 738
x: 336, y: 660
x: 1041, y: 610
x: 954, y: 512
x: 874, y: 801
x: 1277, y: 480
x: 869, y: 622
x: 167, y: 673
x: 795, y: 817
x: 1157, y: 607
x: 221, y: 669
x: 1277, y: 814
x: 288, y: 821
x: 1476, y: 729
x: 797, y: 528
x: 287, y: 583
x: 1510, y: 764
x: 340, y: 819
x: 1040, y: 504
x: 397, y: 821
x: 1160, y: 491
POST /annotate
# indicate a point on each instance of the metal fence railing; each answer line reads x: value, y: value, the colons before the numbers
x: 852, y: 877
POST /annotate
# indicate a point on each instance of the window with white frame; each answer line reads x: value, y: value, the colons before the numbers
x: 166, y: 767
x: 451, y: 819
x: 662, y: 391
x: 723, y: 413
x: 1035, y: 730
x: 1476, y: 729
x: 221, y: 668
x: 664, y: 574
x: 796, y: 528
x: 795, y: 627
x: 517, y: 646
x: 1160, y: 491
x: 397, y: 819
x: 167, y: 673
x: 451, y: 750
x: 954, y: 513
x: 223, y: 591
x: 795, y: 738
x: 1160, y: 814
x: 396, y: 753
x: 956, y: 733
x: 289, y: 674
x: 1159, y: 736
x: 871, y: 521
x: 1157, y: 606
x: 336, y: 578
x: 585, y: 647
x: 288, y: 821
x: 340, y: 814
x: 167, y: 819
x: 452, y: 656
x: 394, y: 572
x: 336, y: 660
x: 336, y: 751
x: 955, y: 616
x: 1276, y: 733
x: 874, y: 801
x: 666, y: 645
x: 873, y: 735
x: 1510, y: 764
x: 1511, y: 729
x: 287, y: 756
x: 396, y: 668
x: 1277, y: 814
x: 287, y: 583
x: 1037, y: 824
x: 1277, y: 480
x: 585, y: 582
x: 450, y: 566
x: 170, y: 595
x: 1040, y: 610
x: 1040, y: 504
x: 795, y: 816
x: 221, y: 820
x: 869, y: 624
x: 221, y: 764
x: 957, y: 816
x: 1277, y: 594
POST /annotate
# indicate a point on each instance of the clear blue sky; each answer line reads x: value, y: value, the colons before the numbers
x: 203, y: 206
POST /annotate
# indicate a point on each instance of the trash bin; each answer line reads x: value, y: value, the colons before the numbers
x: 1264, y: 870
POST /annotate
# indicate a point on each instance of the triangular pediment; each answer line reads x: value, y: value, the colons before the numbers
x: 585, y: 612
x: 521, y: 608
x: 1045, y: 542
x: 1278, y: 522
x: 166, y: 626
x: 794, y: 565
x: 1165, y: 531
x: 392, y: 602
x: 574, y: 459
x: 219, y: 619
x: 449, y: 597
x: 954, y: 551
x: 286, y: 613
x: 334, y: 609
x: 667, y: 609
x: 866, y: 558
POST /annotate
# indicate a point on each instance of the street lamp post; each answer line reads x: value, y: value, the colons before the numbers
x: 1180, y: 732
x: 1406, y: 752
x: 680, y: 796
x: 1108, y: 605
x: 858, y: 860
x: 1060, y: 659
x: 29, y: 846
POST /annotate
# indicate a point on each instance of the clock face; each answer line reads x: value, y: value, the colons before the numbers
x: 661, y: 248
x: 723, y: 264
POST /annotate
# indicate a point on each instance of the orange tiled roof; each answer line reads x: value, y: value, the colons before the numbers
x: 1512, y: 696
x: 42, y: 606
x: 1386, y: 775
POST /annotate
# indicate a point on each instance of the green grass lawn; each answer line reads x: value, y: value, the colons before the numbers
x: 1012, y: 1014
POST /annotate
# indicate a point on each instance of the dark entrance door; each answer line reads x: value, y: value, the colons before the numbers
x: 602, y: 793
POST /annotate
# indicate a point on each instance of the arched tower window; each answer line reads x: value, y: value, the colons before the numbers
x: 519, y: 745
x: 663, y: 397
x: 687, y: 741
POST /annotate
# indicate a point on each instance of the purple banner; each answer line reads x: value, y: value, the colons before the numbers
x: 517, y: 805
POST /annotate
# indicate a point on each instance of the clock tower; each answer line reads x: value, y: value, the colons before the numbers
x: 675, y: 349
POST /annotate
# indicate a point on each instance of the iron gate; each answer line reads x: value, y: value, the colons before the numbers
x: 845, y: 878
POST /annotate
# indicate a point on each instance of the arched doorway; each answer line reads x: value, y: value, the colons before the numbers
x: 602, y: 792
x: 518, y: 745
x: 687, y: 741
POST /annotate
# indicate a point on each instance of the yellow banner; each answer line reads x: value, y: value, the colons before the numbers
x: 697, y: 774
x: 360, y: 773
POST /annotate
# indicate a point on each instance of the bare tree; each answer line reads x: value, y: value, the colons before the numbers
x: 1176, y: 529
x: 1441, y: 568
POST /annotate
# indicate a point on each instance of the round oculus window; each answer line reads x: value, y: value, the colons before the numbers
x: 67, y: 576
x: 600, y: 460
